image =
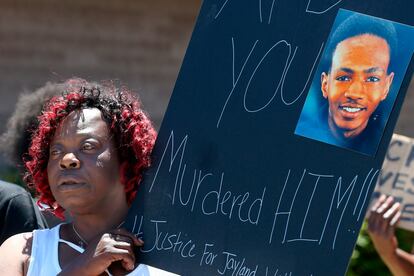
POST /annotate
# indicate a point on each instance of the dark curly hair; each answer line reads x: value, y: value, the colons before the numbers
x: 133, y: 133
x: 15, y: 141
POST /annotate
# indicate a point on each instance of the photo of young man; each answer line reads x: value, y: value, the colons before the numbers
x: 355, y: 78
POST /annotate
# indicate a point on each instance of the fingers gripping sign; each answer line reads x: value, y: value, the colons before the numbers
x: 125, y: 242
x: 383, y: 218
x: 112, y: 253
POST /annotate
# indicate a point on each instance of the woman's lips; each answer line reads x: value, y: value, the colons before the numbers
x: 70, y: 186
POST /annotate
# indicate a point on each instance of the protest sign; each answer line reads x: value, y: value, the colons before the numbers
x: 397, y: 178
x: 237, y: 187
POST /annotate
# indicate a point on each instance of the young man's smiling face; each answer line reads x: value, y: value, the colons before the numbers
x: 357, y: 82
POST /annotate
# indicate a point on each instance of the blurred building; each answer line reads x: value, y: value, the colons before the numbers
x: 140, y: 42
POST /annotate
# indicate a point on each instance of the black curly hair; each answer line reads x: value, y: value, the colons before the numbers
x: 15, y: 141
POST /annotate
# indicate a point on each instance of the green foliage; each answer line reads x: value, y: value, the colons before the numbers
x: 366, y: 262
x: 12, y: 175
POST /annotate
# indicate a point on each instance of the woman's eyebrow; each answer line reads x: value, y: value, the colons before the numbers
x: 89, y: 132
x: 80, y: 137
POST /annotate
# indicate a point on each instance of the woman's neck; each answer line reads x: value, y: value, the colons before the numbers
x: 91, y: 225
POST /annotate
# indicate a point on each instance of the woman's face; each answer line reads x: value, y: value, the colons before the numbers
x: 83, y: 166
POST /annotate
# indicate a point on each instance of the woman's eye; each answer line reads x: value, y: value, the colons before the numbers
x: 343, y: 78
x: 54, y: 152
x: 373, y: 79
x: 87, y: 146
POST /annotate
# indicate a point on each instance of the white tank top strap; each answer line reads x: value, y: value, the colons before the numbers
x: 72, y: 245
x: 44, y: 256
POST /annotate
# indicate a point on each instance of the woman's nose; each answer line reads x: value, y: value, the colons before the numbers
x: 69, y: 161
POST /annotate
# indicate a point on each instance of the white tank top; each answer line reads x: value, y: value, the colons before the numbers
x: 44, y: 260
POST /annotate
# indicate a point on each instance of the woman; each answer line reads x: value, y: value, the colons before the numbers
x: 87, y: 157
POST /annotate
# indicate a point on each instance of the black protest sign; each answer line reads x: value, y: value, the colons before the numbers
x: 232, y: 189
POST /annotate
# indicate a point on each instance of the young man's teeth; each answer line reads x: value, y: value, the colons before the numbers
x: 351, y: 109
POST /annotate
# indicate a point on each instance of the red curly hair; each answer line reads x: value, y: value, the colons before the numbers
x: 134, y: 134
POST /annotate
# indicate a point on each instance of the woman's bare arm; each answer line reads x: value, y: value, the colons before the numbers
x: 14, y: 255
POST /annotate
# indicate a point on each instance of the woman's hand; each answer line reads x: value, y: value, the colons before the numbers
x: 116, y: 247
x: 381, y: 226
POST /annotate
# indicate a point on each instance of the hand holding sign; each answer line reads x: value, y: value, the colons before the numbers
x: 381, y: 226
x: 112, y: 252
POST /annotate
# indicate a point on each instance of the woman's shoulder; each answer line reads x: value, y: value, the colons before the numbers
x: 15, y: 253
x: 22, y: 240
